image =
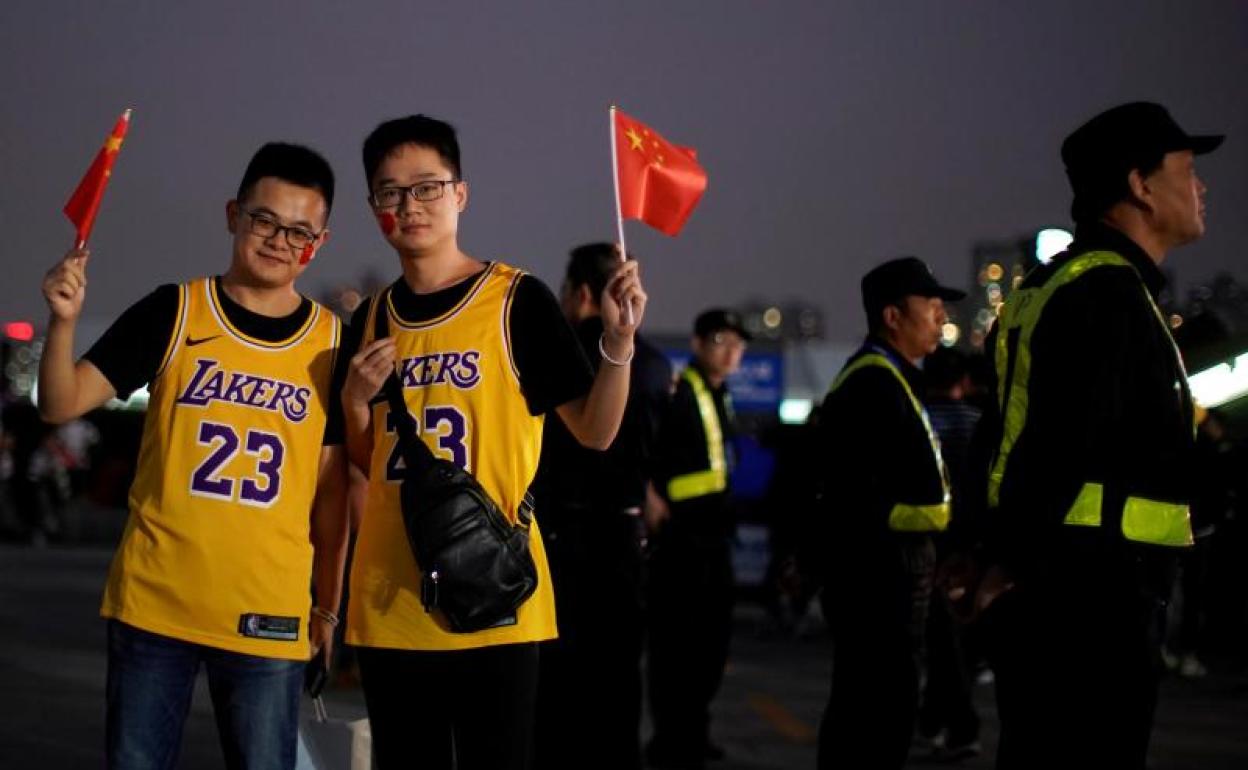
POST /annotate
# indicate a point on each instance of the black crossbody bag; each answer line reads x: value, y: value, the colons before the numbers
x: 476, y: 566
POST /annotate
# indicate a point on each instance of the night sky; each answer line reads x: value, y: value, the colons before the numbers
x: 835, y: 134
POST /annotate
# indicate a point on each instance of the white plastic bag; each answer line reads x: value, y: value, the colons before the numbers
x: 333, y: 744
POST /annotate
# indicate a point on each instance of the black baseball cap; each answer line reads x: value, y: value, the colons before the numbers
x: 900, y: 278
x: 718, y: 319
x: 1100, y: 154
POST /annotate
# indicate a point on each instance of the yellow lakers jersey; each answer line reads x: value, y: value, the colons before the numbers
x: 217, y: 548
x: 461, y: 386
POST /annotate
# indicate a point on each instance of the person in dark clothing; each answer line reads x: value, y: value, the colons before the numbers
x: 589, y: 505
x: 792, y: 494
x: 690, y: 589
x: 25, y: 432
x: 1215, y: 488
x: 885, y: 491
x: 1090, y: 482
x: 947, y: 717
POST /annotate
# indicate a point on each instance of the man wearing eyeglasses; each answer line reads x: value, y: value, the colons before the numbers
x: 690, y: 569
x: 484, y: 357
x: 238, y: 500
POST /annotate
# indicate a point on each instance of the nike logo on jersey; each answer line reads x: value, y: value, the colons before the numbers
x: 461, y: 368
x: 212, y: 382
x: 192, y: 342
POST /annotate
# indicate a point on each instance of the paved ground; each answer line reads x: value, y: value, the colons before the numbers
x: 52, y: 675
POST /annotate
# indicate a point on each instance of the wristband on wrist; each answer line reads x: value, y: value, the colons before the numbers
x: 325, y: 615
x: 602, y: 348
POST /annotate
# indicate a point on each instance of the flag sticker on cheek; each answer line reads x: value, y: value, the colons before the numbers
x: 387, y: 221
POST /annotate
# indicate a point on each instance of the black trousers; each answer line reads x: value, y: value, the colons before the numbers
x: 876, y: 604
x: 947, y: 696
x: 1194, y: 583
x: 1077, y: 668
x: 689, y: 604
x: 589, y: 682
x: 451, y: 710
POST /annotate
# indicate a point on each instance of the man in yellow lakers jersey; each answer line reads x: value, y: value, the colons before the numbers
x: 237, y: 505
x: 482, y: 354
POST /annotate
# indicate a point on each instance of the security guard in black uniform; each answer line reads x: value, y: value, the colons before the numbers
x: 885, y: 491
x: 589, y: 506
x: 1093, y: 451
x: 690, y: 580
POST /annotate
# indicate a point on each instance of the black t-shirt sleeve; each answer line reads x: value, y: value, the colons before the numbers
x: 335, y: 430
x: 348, y: 346
x: 129, y: 353
x: 352, y: 335
x: 553, y: 368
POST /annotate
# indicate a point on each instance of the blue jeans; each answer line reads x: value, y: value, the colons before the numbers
x: 150, y: 681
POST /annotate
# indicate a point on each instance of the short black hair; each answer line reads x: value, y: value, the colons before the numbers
x: 292, y: 163
x: 420, y: 130
x: 592, y: 264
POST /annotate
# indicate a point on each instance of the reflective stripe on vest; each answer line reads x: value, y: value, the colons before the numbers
x: 908, y: 517
x: 1143, y: 520
x: 715, y: 478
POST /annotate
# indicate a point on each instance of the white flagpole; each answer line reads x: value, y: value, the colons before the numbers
x: 619, y: 216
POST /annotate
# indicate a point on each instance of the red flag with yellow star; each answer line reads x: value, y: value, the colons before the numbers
x: 85, y: 202
x: 657, y: 181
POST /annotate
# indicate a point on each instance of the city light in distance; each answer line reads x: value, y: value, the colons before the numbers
x: 1220, y: 384
x: 794, y: 411
x: 1050, y: 242
x: 22, y: 331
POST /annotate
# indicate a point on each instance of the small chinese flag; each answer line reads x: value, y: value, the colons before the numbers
x: 659, y: 182
x: 85, y: 202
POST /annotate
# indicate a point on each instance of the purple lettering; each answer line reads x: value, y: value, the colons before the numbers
x: 296, y: 408
x: 427, y: 372
x: 259, y: 394
x: 469, y: 372
x: 284, y: 389
x: 190, y: 395
x: 234, y: 391
x: 449, y: 360
x: 408, y: 373
x: 211, y: 389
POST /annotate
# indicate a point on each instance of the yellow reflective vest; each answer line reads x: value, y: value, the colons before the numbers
x: 914, y: 515
x: 714, y: 477
x: 1144, y: 520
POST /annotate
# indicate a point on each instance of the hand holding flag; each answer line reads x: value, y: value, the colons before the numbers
x: 85, y: 202
x: 65, y: 285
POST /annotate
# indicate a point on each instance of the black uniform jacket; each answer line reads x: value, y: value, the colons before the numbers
x: 1107, y: 403
x: 876, y: 454
x: 682, y: 448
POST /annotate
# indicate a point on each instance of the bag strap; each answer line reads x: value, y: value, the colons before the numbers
x: 415, y: 453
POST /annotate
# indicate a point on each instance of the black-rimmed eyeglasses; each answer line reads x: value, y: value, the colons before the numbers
x: 266, y: 226
x: 428, y: 190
